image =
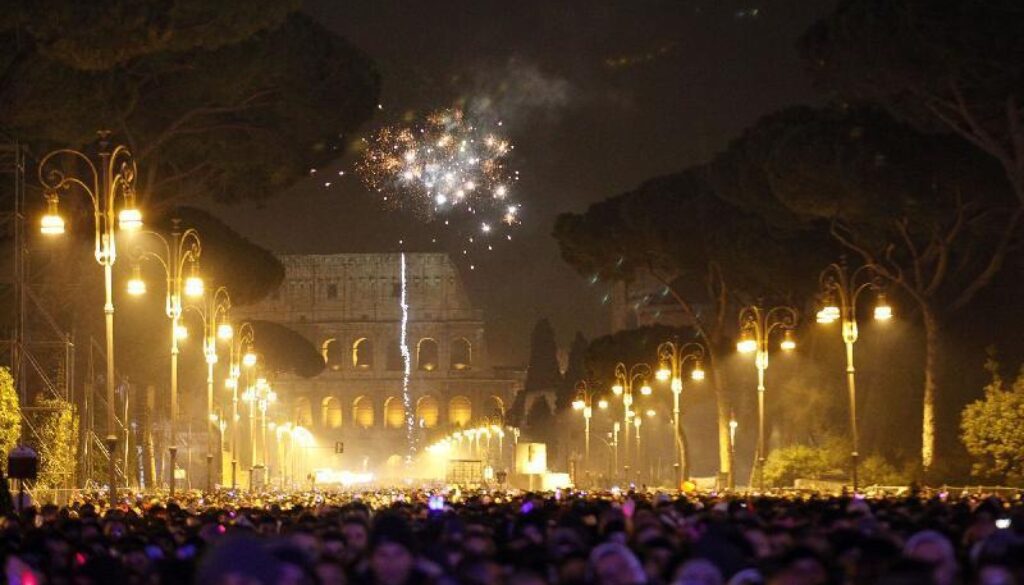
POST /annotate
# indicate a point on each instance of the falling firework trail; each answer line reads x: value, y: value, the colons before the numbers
x: 407, y: 364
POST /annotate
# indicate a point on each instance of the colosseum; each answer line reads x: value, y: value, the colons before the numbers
x: 349, y: 305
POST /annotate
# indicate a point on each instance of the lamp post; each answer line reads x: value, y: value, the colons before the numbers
x: 839, y: 286
x: 259, y: 397
x: 672, y: 357
x: 615, y: 448
x: 214, y: 317
x: 242, y: 355
x: 756, y: 326
x: 183, y: 248
x: 733, y: 425
x: 584, y: 402
x: 103, y: 183
x: 626, y: 379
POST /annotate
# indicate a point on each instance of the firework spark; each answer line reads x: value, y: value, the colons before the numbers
x: 410, y: 423
x: 443, y: 165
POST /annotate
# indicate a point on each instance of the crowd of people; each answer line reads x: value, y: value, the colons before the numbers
x: 497, y: 538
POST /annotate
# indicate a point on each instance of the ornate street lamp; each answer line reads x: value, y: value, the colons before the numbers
x: 105, y: 183
x: 584, y: 402
x: 672, y: 357
x: 626, y: 380
x: 242, y: 355
x: 840, y: 292
x: 173, y: 256
x: 216, y: 327
x: 756, y: 328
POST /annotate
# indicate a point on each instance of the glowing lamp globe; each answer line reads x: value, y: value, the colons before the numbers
x: 194, y: 286
x: 828, y: 314
x: 136, y: 286
x: 249, y: 359
x: 577, y: 404
x: 617, y: 389
x: 663, y: 373
x: 225, y: 331
x: 130, y: 219
x: 698, y: 373
x: 602, y: 404
x: 788, y: 341
x: 883, y: 312
x: 747, y: 343
x: 181, y: 332
x: 645, y: 390
x: 52, y: 224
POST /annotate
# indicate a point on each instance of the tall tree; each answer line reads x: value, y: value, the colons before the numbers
x: 992, y: 429
x: 542, y: 372
x: 57, y: 428
x: 10, y: 414
x: 206, y: 118
x: 929, y: 214
x: 697, y: 246
x: 946, y: 65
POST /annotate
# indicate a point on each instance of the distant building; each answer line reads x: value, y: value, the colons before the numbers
x: 349, y: 306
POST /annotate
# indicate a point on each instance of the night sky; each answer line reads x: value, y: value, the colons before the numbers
x: 596, y: 95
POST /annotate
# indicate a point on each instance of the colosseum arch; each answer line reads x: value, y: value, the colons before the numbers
x: 333, y: 356
x: 496, y: 407
x: 461, y: 354
x: 428, y: 411
x: 427, y: 354
x: 362, y: 412
x: 394, y: 413
x: 460, y: 411
x: 362, y: 354
x: 330, y: 413
x: 303, y: 412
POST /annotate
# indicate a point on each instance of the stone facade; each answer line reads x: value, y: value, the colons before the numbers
x: 349, y: 306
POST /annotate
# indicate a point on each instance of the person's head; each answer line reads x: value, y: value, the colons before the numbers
x: 356, y: 533
x: 932, y: 548
x: 698, y: 572
x: 392, y: 546
x: 330, y: 572
x: 612, y: 563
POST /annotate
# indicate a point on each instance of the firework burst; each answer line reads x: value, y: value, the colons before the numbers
x: 443, y: 165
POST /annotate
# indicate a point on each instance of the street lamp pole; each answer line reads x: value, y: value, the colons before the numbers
x: 672, y: 356
x: 756, y: 326
x: 184, y: 248
x: 214, y: 317
x: 114, y: 177
x: 584, y: 401
x: 839, y: 286
x: 242, y: 354
x: 625, y: 381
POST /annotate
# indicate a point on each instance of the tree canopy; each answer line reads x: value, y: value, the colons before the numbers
x: 944, y: 65
x: 992, y: 429
x: 237, y: 117
x: 285, y: 350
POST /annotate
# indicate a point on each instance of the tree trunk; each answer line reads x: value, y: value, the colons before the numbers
x: 725, y: 460
x: 931, y: 366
